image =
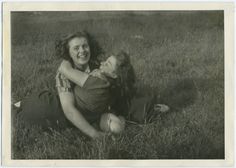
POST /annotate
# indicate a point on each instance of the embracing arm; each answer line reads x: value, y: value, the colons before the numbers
x: 74, y: 75
x: 73, y: 115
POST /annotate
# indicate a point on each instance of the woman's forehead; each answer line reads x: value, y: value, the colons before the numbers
x: 78, y: 41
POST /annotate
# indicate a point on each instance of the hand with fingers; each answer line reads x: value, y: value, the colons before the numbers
x: 98, y: 135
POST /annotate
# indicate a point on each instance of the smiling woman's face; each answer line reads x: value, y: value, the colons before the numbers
x: 79, y: 51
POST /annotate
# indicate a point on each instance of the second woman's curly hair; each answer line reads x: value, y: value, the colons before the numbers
x: 62, y: 48
x: 125, y: 83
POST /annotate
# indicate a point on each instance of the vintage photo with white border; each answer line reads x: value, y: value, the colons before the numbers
x: 118, y: 84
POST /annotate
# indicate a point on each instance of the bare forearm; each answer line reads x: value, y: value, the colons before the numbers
x: 75, y: 116
x: 76, y: 76
x: 80, y: 122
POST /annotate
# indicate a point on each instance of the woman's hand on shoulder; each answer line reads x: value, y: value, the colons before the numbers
x: 65, y: 66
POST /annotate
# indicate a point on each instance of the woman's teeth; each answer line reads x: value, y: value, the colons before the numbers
x: 81, y: 56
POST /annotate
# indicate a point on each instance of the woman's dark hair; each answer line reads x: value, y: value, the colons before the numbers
x: 62, y: 48
x: 125, y: 88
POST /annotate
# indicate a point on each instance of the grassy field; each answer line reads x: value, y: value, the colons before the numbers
x: 177, y: 55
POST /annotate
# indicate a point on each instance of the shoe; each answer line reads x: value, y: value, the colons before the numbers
x: 161, y: 108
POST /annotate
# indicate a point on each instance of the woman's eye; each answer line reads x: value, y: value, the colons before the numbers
x: 85, y: 46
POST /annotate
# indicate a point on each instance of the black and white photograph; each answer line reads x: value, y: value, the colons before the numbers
x: 118, y: 84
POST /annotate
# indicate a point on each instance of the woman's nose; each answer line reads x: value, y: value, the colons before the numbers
x: 80, y: 49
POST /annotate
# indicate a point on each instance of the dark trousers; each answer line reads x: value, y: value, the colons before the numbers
x: 44, y: 109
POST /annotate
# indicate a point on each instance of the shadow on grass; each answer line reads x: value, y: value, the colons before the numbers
x: 177, y: 95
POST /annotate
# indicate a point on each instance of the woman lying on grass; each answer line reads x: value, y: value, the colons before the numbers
x: 83, y: 96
